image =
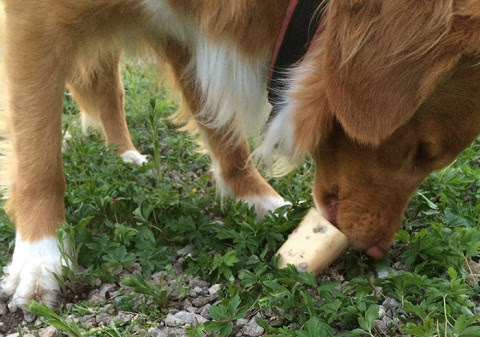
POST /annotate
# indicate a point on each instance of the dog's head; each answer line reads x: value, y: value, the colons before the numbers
x: 388, y: 93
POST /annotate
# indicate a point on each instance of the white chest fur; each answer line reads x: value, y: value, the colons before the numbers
x: 233, y: 88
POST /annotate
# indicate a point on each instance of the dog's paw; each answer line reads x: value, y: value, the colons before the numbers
x: 264, y: 204
x: 30, y: 276
x: 134, y: 157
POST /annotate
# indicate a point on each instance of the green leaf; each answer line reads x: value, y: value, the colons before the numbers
x: 429, y: 203
x: 233, y: 306
x: 242, y: 312
x: 219, y: 312
x: 315, y: 328
x: 371, y: 315
x: 452, y: 273
x: 358, y: 332
x: 223, y: 328
x: 471, y: 331
x: 226, y: 330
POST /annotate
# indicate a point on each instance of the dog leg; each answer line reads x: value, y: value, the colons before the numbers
x: 235, y: 172
x: 36, y: 76
x: 100, y: 95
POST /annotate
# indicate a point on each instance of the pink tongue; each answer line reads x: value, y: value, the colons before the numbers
x: 376, y: 252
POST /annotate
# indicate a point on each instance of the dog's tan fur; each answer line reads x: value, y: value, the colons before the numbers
x: 387, y: 94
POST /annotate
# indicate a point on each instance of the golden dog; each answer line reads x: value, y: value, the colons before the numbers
x: 386, y: 94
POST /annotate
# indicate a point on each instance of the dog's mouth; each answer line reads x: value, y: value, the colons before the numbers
x: 328, y: 207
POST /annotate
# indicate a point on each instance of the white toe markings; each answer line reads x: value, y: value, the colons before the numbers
x: 134, y: 157
x: 263, y: 204
x: 30, y: 274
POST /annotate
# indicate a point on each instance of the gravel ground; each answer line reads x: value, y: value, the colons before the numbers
x: 191, y: 309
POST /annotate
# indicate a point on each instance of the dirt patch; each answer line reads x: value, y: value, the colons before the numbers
x: 10, y: 321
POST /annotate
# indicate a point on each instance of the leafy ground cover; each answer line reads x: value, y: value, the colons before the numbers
x: 160, y: 236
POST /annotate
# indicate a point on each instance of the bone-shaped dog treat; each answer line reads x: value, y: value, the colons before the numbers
x: 313, y: 245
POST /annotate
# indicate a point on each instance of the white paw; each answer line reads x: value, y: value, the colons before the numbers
x: 30, y: 275
x: 263, y: 204
x: 134, y: 157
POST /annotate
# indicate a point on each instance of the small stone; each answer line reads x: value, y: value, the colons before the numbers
x: 241, y: 322
x: 378, y: 292
x: 205, y: 313
x: 29, y: 317
x: 181, y: 318
x: 200, y: 319
x: 154, y: 332
x: 3, y: 308
x: 187, y: 318
x: 123, y: 317
x: 96, y: 298
x: 106, y: 288
x: 87, y: 320
x: 135, y: 268
x: 390, y: 304
x: 185, y: 251
x: 71, y: 318
x: 48, y: 332
x: 474, y: 268
x: 175, y: 176
x: 186, y: 304
x: 195, y: 291
x: 191, y: 309
x: 176, y: 333
x: 383, y: 324
x: 382, y: 273
x: 158, y: 276
x: 109, y: 308
x: 381, y: 311
x: 13, y: 335
x: 203, y: 300
x: 104, y: 319
x: 213, y: 290
x: 253, y: 329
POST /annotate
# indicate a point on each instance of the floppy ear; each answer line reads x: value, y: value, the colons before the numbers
x: 313, y: 119
x: 383, y: 58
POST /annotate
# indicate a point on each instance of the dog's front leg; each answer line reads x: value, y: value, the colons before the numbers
x: 235, y: 172
x: 35, y: 70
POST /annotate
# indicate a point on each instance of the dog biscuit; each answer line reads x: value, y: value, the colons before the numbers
x: 313, y: 245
